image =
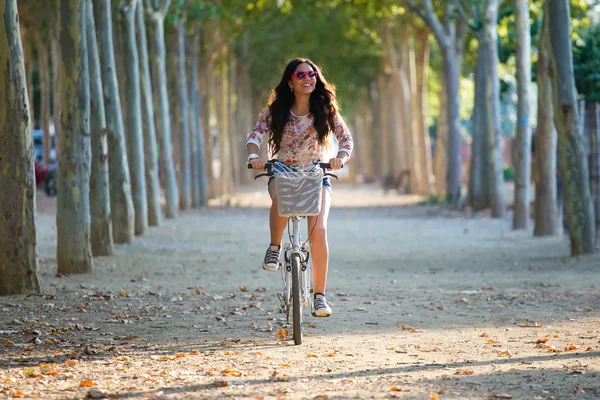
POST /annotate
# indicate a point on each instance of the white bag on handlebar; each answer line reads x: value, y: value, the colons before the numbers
x: 299, y: 193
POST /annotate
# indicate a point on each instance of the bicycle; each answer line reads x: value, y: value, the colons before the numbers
x: 296, y: 274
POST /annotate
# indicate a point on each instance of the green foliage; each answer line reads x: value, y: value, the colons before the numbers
x: 342, y: 36
x: 586, y: 60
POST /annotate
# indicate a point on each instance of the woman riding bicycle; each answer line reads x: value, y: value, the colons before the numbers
x: 299, y: 121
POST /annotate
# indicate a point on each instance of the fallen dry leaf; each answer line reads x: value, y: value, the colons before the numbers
x: 311, y: 355
x: 282, y: 334
x: 86, y: 383
x: 542, y: 340
x: 231, y: 372
x: 395, y: 389
x: 434, y: 396
x: 411, y: 329
x: 505, y: 354
x: 571, y: 347
x: 464, y: 372
x: 484, y: 334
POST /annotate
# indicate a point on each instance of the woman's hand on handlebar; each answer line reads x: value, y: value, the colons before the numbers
x: 336, y: 163
x: 257, y: 164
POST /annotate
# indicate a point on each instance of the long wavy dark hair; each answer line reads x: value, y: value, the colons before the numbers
x: 323, y: 105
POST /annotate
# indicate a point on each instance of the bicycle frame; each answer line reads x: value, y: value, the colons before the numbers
x: 291, y: 249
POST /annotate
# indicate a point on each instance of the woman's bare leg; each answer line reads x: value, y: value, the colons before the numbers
x: 277, y: 223
x: 319, y: 250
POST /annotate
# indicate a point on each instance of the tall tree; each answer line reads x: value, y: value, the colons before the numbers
x: 185, y: 186
x: 523, y: 153
x: 479, y: 191
x: 490, y: 46
x: 101, y: 229
x: 133, y: 115
x: 73, y: 204
x: 449, y: 34
x: 547, y: 218
x: 149, y: 128
x: 121, y: 204
x: 572, y: 160
x: 199, y: 177
x: 18, y: 240
x: 423, y: 47
x: 156, y: 11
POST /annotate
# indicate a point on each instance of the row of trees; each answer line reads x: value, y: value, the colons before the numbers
x: 110, y: 138
x: 136, y: 105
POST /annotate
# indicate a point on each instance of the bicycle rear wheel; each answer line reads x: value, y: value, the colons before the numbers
x: 296, y: 301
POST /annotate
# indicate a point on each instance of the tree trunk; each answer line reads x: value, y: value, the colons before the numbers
x: 55, y: 52
x: 523, y: 153
x: 101, y: 231
x: 206, y: 71
x: 418, y: 185
x: 224, y: 124
x: 452, y: 81
x: 592, y: 126
x: 148, y: 126
x: 185, y: 191
x: 547, y: 219
x: 479, y: 189
x: 18, y: 240
x: 167, y: 167
x: 43, y: 66
x: 121, y: 204
x: 199, y: 177
x: 133, y: 116
x: 572, y: 162
x: 496, y: 175
x: 73, y: 252
x: 27, y: 42
x: 385, y: 142
x: 173, y: 92
x: 424, y: 142
x: 441, y: 144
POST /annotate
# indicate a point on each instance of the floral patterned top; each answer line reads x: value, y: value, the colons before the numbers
x: 300, y: 140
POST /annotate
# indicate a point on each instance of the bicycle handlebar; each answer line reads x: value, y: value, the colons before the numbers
x: 269, y: 168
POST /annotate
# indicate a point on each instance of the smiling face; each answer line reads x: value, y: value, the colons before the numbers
x: 305, y: 84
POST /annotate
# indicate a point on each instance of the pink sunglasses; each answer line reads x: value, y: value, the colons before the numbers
x: 302, y: 74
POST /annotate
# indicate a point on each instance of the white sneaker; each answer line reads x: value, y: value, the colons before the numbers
x: 271, y: 261
x: 321, y: 307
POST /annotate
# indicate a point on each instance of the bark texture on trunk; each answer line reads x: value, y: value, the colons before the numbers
x: 73, y: 252
x: 200, y: 190
x: 101, y: 229
x: 18, y: 239
x: 158, y: 62
x: 427, y: 178
x: 548, y: 221
x: 121, y: 203
x: 148, y: 126
x: 572, y: 160
x: 133, y: 116
x: 523, y: 146
x: 496, y: 175
x: 479, y: 185
x: 185, y: 190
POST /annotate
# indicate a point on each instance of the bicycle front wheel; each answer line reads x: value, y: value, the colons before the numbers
x: 296, y: 301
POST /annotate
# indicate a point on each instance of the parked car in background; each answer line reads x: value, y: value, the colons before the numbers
x: 45, y: 174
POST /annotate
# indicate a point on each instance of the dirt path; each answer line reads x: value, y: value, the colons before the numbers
x: 426, y: 303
